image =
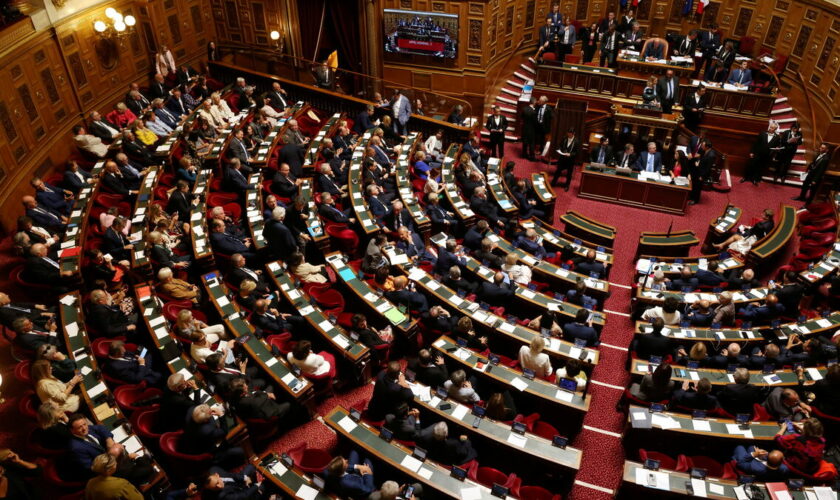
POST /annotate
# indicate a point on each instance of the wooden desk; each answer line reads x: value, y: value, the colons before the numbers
x: 254, y: 210
x: 721, y: 226
x: 581, y: 226
x: 451, y: 190
x: 406, y: 189
x: 642, y: 124
x: 555, y: 239
x: 831, y: 260
x: 77, y: 225
x: 545, y: 193
x: 431, y: 474
x: 199, y: 233
x: 637, y: 66
x: 657, y: 297
x: 355, y: 353
x: 775, y: 241
x: 497, y: 188
x: 140, y: 262
x: 276, y: 134
x: 672, y: 243
x: 630, y: 190
x: 787, y: 378
x: 672, y: 265
x: 704, y: 428
x: 671, y: 484
x: 357, y: 197
x: 278, y: 369
x: 313, y: 220
x: 327, y: 130
x: 294, y: 482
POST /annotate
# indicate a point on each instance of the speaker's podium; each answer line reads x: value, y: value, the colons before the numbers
x: 641, y: 122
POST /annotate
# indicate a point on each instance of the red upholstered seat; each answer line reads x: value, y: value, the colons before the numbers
x: 187, y: 464
x: 535, y: 493
x: 345, y: 238
x: 128, y: 396
x: 311, y: 460
x: 665, y: 461
x: 544, y: 430
x: 144, y: 423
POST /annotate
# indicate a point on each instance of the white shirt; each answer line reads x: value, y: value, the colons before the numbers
x: 657, y: 312
x: 539, y: 363
x: 314, y: 364
x: 433, y: 145
x: 397, y: 106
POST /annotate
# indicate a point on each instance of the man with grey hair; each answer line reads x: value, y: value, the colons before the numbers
x: 205, y: 434
x: 293, y: 134
x: 443, y: 449
x: 279, y: 238
x: 725, y: 310
x: 650, y: 160
x: 740, y: 396
x: 102, y: 128
x: 179, y: 396
x: 391, y: 490
x: 327, y: 182
x: 240, y: 271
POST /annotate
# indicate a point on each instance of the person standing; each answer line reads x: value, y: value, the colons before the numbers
x: 761, y: 152
x: 543, y: 128
x: 693, y: 109
x: 790, y: 140
x: 401, y: 107
x: 529, y: 129
x: 566, y: 34
x: 590, y: 39
x: 496, y: 124
x: 668, y: 89
x: 568, y: 150
x: 816, y: 170
x: 609, y: 47
x: 699, y: 171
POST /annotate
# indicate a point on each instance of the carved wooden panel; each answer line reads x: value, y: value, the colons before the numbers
x: 232, y: 14
x: 530, y: 7
x: 474, y: 37
x: 49, y: 84
x: 16, y: 72
x: 676, y: 11
x: 782, y: 5
x: 174, y: 28
x: 87, y: 97
x: 792, y: 65
x: 28, y: 103
x: 258, y: 11
x: 422, y: 80
x: 78, y: 71
x: 195, y: 13
x: 474, y: 60
x: 828, y: 46
x: 168, y: 4
x: 492, y: 37
x: 8, y: 124
x: 39, y: 57
x: 643, y: 10
x: 476, y: 8
x: 509, y: 20
x: 68, y: 41
x: 149, y: 35
x: 40, y: 133
x: 831, y: 93
x: 582, y: 6
x: 837, y: 77
x: 802, y: 41
x: 60, y: 114
x: 20, y: 152
x: 811, y: 15
x: 816, y: 79
x: 835, y: 25
x: 710, y: 14
x: 438, y: 6
x: 743, y: 22
x: 773, y: 31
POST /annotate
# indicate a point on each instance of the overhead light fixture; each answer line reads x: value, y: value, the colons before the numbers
x: 277, y: 38
x: 115, y: 25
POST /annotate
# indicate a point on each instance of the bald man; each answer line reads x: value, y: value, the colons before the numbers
x: 402, y: 294
x: 730, y: 355
x: 44, y: 217
x: 785, y: 403
x: 43, y: 270
x: 766, y: 467
x: 763, y: 314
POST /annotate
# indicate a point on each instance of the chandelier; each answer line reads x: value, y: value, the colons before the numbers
x: 116, y: 25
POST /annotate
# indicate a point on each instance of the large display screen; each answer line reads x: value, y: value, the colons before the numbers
x: 420, y: 33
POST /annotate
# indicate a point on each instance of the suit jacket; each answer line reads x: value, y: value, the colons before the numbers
x: 138, y: 152
x: 327, y: 183
x: 739, y: 398
x: 387, y: 395
x: 331, y: 213
x: 642, y: 161
x: 485, y: 208
x: 73, y: 183
x: 607, y: 39
x: 52, y: 199
x: 608, y: 154
x: 131, y: 371
x: 496, y: 129
x: 104, y: 129
x: 235, y: 181
x: 744, y: 77
x: 449, y: 451
x: 292, y: 155
x: 174, y: 407
x: 691, y: 101
x: 82, y: 452
x: 561, y: 32
x: 158, y: 90
x: 393, y: 220
x: 257, y: 405
x: 180, y: 203
x: 662, y: 89
x: 686, y: 47
x: 544, y: 124
x: 818, y: 167
x: 137, y: 105
x: 116, y: 184
x: 227, y: 244
x: 279, y: 238
x: 726, y: 57
x: 546, y: 34
x: 494, y: 294
x: 655, y: 50
x: 573, y: 331
x: 178, y: 107
x: 362, y: 123
x: 238, y: 274
x: 38, y: 270
x: 652, y: 345
x: 236, y: 149
x: 377, y: 208
x: 167, y: 117
x: 352, y: 484
x: 44, y: 217
x: 432, y: 375
x: 709, y: 43
x: 33, y: 339
x: 278, y: 100
x: 404, y: 110
x: 109, y: 321
x: 284, y: 187
x: 201, y: 438
x: 415, y: 301
x: 114, y: 242
x: 572, y: 148
x: 762, y: 146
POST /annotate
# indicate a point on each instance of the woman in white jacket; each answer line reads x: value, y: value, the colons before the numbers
x: 531, y: 357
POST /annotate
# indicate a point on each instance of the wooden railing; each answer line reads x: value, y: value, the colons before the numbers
x: 815, y: 136
x: 502, y: 66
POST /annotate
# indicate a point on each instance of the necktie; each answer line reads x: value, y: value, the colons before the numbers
x: 601, y: 156
x: 52, y: 262
x: 624, y: 160
x: 251, y: 273
x: 612, y: 42
x: 650, y: 163
x: 540, y: 113
x: 247, y: 156
x: 670, y: 88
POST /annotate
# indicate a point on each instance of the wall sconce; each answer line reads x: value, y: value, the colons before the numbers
x: 117, y: 25
x: 279, y: 42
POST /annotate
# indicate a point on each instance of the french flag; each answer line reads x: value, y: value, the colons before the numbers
x: 702, y: 5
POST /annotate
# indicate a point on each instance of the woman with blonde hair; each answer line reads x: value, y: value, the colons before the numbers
x: 104, y: 486
x: 186, y: 325
x: 51, y: 389
x: 246, y: 297
x: 143, y: 133
x: 532, y: 357
x: 517, y: 272
x: 52, y: 431
x: 305, y: 271
x: 221, y: 107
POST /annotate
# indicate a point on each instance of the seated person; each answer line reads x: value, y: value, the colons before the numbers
x: 350, y: 477
x: 686, y: 280
x: 217, y: 483
x: 532, y: 357
x: 451, y: 254
x: 653, y: 343
x: 389, y: 390
x: 202, y: 348
x: 742, y: 279
x: 574, y: 371
x: 20, y: 477
x: 517, y: 273
x: 105, y: 483
x: 765, y: 466
x: 743, y: 240
x: 588, y: 265
x: 656, y: 386
x: 486, y: 256
x: 529, y: 242
x: 464, y: 329
x: 581, y: 329
x: 772, y: 355
x: 87, y: 442
x: 430, y: 371
x: 460, y: 389
x: 695, y: 397
x: 701, y: 314
x: 107, y: 315
x: 50, y: 389
x: 309, y: 363
x: 251, y: 403
x: 412, y: 245
x: 271, y: 320
x: 724, y: 309
x: 205, y: 434
x: 185, y: 325
x: 740, y: 396
x: 764, y: 313
x: 804, y: 448
x: 475, y: 235
x: 443, y: 449
x: 498, y: 292
x: 826, y: 391
x: 710, y: 276
x: 176, y: 288
x: 698, y: 354
x: 741, y: 76
x: 220, y: 375
x: 42, y: 270
x: 655, y: 49
x: 31, y: 338
x: 369, y: 335
x: 668, y: 311
x: 404, y: 422
x: 128, y: 366
x: 402, y: 294
x: 458, y: 283
x: 784, y: 403
x: 729, y: 355
x: 63, y: 368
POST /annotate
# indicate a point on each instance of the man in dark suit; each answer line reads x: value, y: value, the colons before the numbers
x: 700, y: 171
x: 401, y: 294
x: 761, y: 153
x: 86, y: 443
x: 52, y: 197
x: 693, y: 107
x: 137, y: 103
x: 178, y: 105
x: 668, y: 90
x: 741, y: 76
x: 485, y: 208
x: 328, y: 211
x: 76, y: 178
x: 568, y: 151
x: 178, y: 397
x: 219, y: 484
x: 237, y: 149
x: 129, y: 366
x: 327, y: 181
x: 180, y: 201
x: 350, y: 477
x: 158, y: 89
x: 653, y: 343
x: 279, y: 238
x: 687, y: 45
x: 474, y: 235
x: 44, y: 217
x: 185, y: 75
x: 398, y: 217
x: 603, y: 153
x: 292, y: 155
x: 650, y: 160
x: 375, y: 204
x: 163, y: 114
x: 228, y: 244
x: 116, y: 243
x: 484, y: 255
x: 10, y: 311
x: 221, y: 376
x: 389, y: 391
x: 608, y: 23
x: 813, y: 179
x: 205, y: 434
x: 132, y: 172
x: 609, y: 47
x: 740, y: 396
x: 364, y: 121
x: 31, y: 338
x: 136, y: 150
x: 43, y: 270
x: 529, y: 129
x: 654, y: 50
x: 450, y: 254
x: 581, y: 328
x: 442, y: 219
x: 726, y: 55
x: 547, y: 33
x: 234, y: 180
x: 709, y: 44
x: 627, y: 158
x: 632, y: 38
x: 695, y: 398
x: 544, y: 120
x: 429, y: 371
x: 497, y: 292
x: 108, y: 319
x: 588, y: 265
x: 240, y: 271
x: 444, y: 449
x: 278, y: 96
x: 285, y: 184
x: 496, y: 125
x: 270, y: 320
x: 102, y: 128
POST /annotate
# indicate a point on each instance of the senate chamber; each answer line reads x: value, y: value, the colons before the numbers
x: 419, y: 249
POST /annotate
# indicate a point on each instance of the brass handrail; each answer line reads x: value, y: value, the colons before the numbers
x: 504, y: 65
x: 814, y: 135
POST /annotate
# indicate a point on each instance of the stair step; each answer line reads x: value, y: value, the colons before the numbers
x: 506, y: 100
x: 528, y: 69
x: 515, y: 84
x: 787, y: 182
x: 521, y: 76
x: 508, y: 137
x: 505, y: 109
x: 798, y: 162
x: 800, y: 151
x: 532, y: 61
x: 781, y: 110
x: 781, y: 100
x: 786, y: 120
x: 512, y: 92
